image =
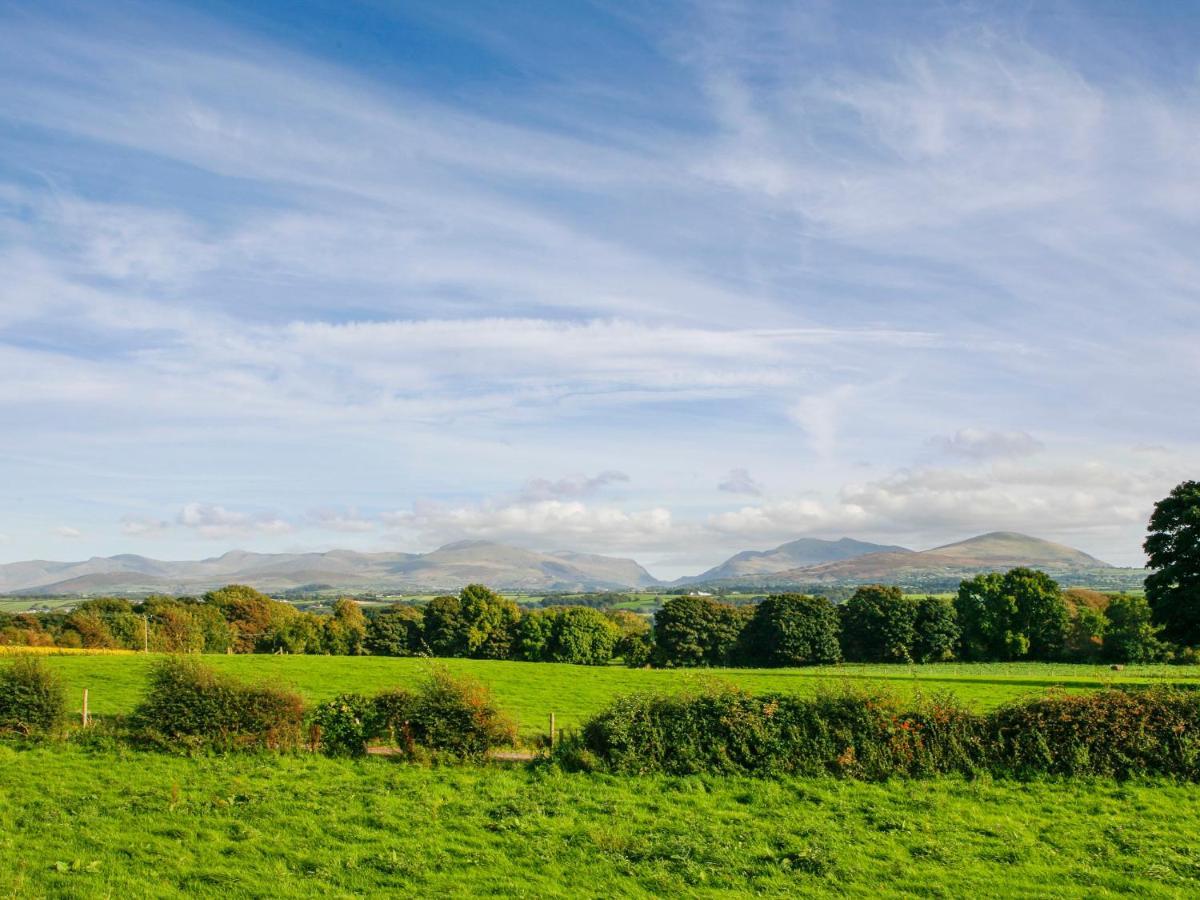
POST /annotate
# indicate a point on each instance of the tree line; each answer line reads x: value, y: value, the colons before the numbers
x: 1018, y: 615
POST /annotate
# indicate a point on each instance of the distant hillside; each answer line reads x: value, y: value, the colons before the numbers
x: 997, y: 550
x: 447, y: 568
x: 792, y: 555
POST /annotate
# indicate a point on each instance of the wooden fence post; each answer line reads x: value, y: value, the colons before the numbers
x: 553, y: 730
x: 84, y: 714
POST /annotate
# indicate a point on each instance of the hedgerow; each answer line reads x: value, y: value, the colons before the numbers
x: 448, y: 715
x: 1110, y: 733
x: 190, y: 707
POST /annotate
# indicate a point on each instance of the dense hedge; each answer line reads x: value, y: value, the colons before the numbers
x: 1118, y: 733
x: 32, y: 698
x: 1113, y: 733
x: 445, y: 714
x: 731, y: 732
x: 191, y: 706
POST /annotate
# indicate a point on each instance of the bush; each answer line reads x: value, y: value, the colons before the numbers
x: 1112, y: 733
x: 32, y: 699
x: 344, y: 725
x: 446, y: 714
x: 730, y: 732
x: 190, y: 706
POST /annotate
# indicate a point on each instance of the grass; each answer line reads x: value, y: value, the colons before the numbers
x: 529, y: 692
x: 111, y: 823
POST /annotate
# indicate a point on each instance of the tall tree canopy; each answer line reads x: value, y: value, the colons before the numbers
x: 1173, y: 549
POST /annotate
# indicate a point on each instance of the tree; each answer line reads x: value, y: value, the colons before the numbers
x: 535, y: 632
x: 444, y: 628
x: 1017, y: 615
x: 395, y: 631
x: 1086, y: 634
x: 583, y: 636
x: 252, y: 614
x: 879, y: 625
x: 937, y: 631
x: 1131, y: 635
x: 697, y: 631
x: 792, y: 630
x: 346, y: 629
x: 1173, y: 551
x: 634, y: 644
x: 491, y: 622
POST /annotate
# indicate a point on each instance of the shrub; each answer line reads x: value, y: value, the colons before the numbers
x: 446, y: 714
x: 1113, y: 733
x: 190, y: 706
x: 344, y: 725
x: 727, y: 731
x: 32, y: 699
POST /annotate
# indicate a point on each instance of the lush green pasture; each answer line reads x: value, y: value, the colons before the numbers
x: 531, y: 691
x: 109, y: 823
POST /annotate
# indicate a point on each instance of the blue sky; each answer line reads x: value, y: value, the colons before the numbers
x: 666, y: 280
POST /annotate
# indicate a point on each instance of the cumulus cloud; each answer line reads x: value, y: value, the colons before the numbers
x: 349, y: 521
x: 538, y: 489
x: 981, y: 443
x: 217, y: 522
x: 133, y: 526
x: 739, y: 481
x: 542, y: 522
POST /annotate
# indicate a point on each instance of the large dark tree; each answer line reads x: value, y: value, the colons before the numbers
x: 937, y: 630
x: 697, y: 631
x: 879, y: 625
x: 793, y: 630
x: 1173, y: 548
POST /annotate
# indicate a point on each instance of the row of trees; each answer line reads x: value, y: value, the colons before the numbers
x: 477, y: 623
x: 1018, y: 615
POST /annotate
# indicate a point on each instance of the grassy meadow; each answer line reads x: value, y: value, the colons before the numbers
x: 529, y: 692
x: 118, y: 823
x: 94, y: 818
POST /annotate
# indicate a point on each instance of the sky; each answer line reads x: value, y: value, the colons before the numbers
x: 665, y: 280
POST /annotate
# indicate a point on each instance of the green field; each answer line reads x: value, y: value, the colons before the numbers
x: 113, y: 823
x: 108, y: 821
x: 529, y: 692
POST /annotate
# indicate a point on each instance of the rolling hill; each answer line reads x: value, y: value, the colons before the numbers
x: 447, y: 568
x: 792, y: 555
x: 996, y: 550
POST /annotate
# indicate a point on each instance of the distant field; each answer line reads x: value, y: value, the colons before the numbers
x: 531, y: 691
x: 24, y: 604
x: 113, y: 823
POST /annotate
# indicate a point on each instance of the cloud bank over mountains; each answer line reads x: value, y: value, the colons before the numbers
x: 716, y: 276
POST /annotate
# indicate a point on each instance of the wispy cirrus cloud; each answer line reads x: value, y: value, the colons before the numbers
x: 767, y: 233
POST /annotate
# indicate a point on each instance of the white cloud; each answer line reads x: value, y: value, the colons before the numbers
x: 216, y: 522
x: 739, y: 481
x: 348, y: 521
x: 556, y: 522
x: 538, y: 489
x: 66, y: 531
x: 139, y: 527
x: 981, y: 443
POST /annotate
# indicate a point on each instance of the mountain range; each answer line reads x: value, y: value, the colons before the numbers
x: 807, y: 561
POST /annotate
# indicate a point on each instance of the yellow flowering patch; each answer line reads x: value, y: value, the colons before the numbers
x: 18, y: 649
